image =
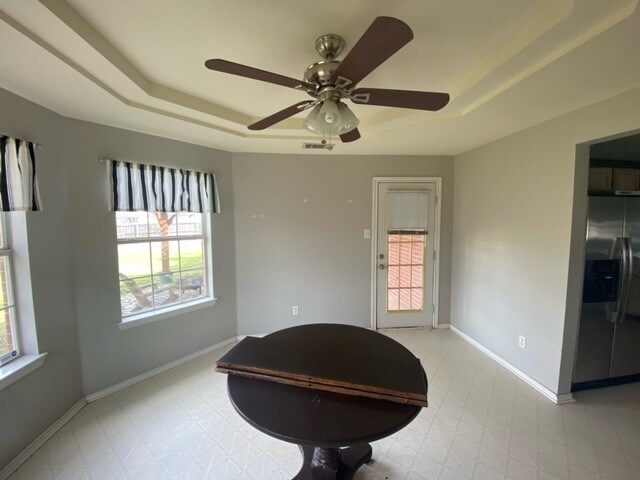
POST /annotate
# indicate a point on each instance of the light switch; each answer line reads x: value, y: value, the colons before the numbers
x: 367, y: 233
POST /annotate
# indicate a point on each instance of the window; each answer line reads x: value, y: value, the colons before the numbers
x: 405, y: 285
x: 162, y: 259
x: 406, y: 240
x: 9, y: 345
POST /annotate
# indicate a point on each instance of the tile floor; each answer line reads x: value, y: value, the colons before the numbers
x: 482, y: 423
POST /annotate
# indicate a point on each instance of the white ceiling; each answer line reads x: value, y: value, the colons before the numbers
x: 508, y: 65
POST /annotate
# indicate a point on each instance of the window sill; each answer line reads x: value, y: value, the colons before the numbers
x: 169, y: 312
x: 18, y: 368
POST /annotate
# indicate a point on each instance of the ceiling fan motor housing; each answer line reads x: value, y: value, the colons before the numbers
x: 320, y: 73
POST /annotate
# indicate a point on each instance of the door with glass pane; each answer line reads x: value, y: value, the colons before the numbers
x: 404, y: 254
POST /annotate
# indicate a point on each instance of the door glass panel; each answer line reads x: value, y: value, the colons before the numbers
x: 405, y: 276
x: 393, y: 278
x: 405, y: 251
x: 416, y: 299
x: 394, y: 251
x: 405, y: 299
x: 416, y: 276
x: 405, y: 271
x: 393, y: 299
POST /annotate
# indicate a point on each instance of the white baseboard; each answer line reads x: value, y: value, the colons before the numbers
x: 554, y: 397
x: 92, y: 397
x: 565, y: 398
x: 242, y: 337
x: 33, y: 447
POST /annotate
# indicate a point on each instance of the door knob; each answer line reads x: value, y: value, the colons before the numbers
x: 381, y: 256
x: 381, y: 267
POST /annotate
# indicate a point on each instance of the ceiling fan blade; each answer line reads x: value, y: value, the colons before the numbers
x: 281, y: 115
x: 351, y: 136
x: 384, y: 37
x: 225, y: 66
x: 400, y: 98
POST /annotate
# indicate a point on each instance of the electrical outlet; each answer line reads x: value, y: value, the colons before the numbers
x: 294, y: 310
x: 522, y: 342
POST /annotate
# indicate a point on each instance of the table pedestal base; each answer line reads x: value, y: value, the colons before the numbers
x: 332, y: 463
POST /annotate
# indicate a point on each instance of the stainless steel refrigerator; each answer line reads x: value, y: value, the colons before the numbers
x: 608, y: 348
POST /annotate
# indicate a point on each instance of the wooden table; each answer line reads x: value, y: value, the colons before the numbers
x: 321, y: 422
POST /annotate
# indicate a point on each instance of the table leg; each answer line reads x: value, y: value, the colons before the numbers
x: 332, y: 463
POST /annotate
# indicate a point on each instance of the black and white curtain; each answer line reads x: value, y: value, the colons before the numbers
x: 151, y: 188
x: 18, y: 181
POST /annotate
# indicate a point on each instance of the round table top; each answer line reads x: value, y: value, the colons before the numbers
x: 313, y: 417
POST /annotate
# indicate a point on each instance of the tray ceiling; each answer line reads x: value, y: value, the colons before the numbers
x: 508, y: 65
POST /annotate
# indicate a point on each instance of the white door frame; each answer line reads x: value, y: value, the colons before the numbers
x: 374, y: 243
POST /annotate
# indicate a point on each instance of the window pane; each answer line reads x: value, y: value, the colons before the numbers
x: 405, y: 253
x: 416, y: 299
x: 134, y: 259
x: 166, y: 289
x: 191, y: 254
x: 135, y: 295
x: 154, y: 272
x: 416, y: 276
x: 393, y: 277
x: 417, y: 253
x: 132, y: 225
x: 193, y: 285
x: 163, y: 224
x: 189, y: 224
x: 394, y: 253
x: 405, y: 276
x: 392, y: 300
x: 5, y: 287
x: 405, y: 299
x: 165, y: 257
x: 7, y: 344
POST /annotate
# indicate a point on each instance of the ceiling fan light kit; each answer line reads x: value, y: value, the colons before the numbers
x: 331, y: 118
x: 330, y: 81
x: 348, y: 121
x: 329, y: 113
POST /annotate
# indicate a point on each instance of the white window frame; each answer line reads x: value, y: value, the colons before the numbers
x: 175, y: 309
x: 7, y: 253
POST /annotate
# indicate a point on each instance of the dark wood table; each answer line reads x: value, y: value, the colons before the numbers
x: 321, y: 422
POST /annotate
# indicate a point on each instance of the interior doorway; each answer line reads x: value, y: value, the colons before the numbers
x: 405, y: 252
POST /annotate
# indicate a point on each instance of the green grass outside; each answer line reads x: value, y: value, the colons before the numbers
x: 4, y: 340
x: 137, y: 267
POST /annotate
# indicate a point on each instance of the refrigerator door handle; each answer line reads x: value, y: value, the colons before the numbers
x: 626, y: 256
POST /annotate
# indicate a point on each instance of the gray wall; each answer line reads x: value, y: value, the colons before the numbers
x: 314, y: 254
x: 110, y: 355
x: 34, y: 402
x: 518, y: 237
x: 72, y: 265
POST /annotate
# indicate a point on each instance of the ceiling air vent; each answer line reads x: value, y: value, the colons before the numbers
x: 316, y: 146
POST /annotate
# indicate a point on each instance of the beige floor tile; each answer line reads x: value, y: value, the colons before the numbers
x: 482, y: 423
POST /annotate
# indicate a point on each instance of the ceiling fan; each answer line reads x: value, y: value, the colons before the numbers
x: 330, y: 81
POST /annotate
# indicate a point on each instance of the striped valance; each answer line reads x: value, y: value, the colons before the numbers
x: 152, y: 188
x: 18, y: 181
